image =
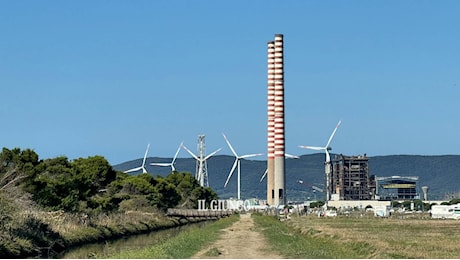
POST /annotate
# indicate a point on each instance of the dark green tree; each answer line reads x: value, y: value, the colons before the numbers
x: 166, y: 195
x: 142, y: 184
x: 54, y: 184
x: 185, y: 185
x: 92, y: 175
x: 201, y: 193
x: 454, y: 201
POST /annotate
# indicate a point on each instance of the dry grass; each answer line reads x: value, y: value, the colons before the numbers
x: 388, y: 237
x: 66, y: 223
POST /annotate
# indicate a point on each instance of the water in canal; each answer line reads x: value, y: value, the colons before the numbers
x: 134, y: 242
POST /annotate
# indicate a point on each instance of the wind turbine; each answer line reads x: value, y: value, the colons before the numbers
x: 173, y: 169
x: 237, y: 163
x: 286, y: 155
x: 201, y: 160
x: 143, y: 163
x: 327, y: 164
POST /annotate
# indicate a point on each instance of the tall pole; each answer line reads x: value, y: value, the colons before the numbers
x: 239, y: 180
x: 271, y: 124
x: 279, y: 169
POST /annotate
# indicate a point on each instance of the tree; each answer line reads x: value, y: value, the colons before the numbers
x: 16, y: 165
x: 454, y: 201
x: 53, y: 183
x: 60, y: 184
x: 185, y: 185
x: 166, y: 195
x: 317, y: 204
x: 92, y: 175
x: 138, y: 184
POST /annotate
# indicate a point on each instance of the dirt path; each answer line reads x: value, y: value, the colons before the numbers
x: 240, y: 240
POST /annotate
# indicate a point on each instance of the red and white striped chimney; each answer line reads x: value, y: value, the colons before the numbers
x: 279, y: 172
x: 275, y: 162
x: 271, y: 124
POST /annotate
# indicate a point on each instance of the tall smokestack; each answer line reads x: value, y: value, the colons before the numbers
x: 279, y: 167
x: 271, y: 124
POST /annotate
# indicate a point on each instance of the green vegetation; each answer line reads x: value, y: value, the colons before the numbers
x: 291, y: 243
x: 185, y: 244
x: 54, y: 203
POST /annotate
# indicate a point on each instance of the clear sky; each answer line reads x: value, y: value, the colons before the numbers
x: 84, y: 78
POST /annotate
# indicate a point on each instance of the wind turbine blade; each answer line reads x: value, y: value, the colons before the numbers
x: 263, y: 176
x: 333, y: 133
x: 145, y: 155
x: 177, y: 152
x: 190, y: 152
x: 229, y: 145
x: 211, y: 154
x: 133, y: 169
x: 291, y: 156
x: 231, y: 172
x: 161, y: 164
x: 250, y: 155
x: 313, y: 147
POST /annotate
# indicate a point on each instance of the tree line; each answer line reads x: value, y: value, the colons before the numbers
x: 91, y: 185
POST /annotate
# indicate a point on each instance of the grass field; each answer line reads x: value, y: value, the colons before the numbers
x: 371, y: 237
x: 184, y: 245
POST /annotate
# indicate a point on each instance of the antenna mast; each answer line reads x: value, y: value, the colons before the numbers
x: 201, y: 166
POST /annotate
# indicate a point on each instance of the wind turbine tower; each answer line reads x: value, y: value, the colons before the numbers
x: 237, y: 164
x: 327, y: 163
x: 201, y: 173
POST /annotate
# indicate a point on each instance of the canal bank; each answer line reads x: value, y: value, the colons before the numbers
x: 58, y: 234
x: 105, y: 249
x: 184, y: 245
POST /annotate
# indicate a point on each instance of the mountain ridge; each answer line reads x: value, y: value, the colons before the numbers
x: 439, y: 172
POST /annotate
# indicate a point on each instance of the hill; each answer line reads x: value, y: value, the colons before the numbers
x: 440, y: 173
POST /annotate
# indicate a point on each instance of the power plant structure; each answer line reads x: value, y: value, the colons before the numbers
x: 351, y: 181
x: 350, y: 178
x: 276, y: 193
x: 397, y: 188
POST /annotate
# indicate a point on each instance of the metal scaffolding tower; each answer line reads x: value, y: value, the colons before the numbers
x: 201, y: 174
x: 201, y: 166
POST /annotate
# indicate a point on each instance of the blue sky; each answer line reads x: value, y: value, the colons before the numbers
x: 84, y: 78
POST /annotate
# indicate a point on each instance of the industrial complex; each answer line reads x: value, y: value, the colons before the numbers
x: 347, y: 178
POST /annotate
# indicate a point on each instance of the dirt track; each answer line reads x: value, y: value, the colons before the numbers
x: 241, y: 240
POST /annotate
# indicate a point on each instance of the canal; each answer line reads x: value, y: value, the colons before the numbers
x: 133, y: 242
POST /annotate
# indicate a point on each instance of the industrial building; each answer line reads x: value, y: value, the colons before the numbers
x: 397, y: 188
x: 351, y: 181
x: 350, y: 178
